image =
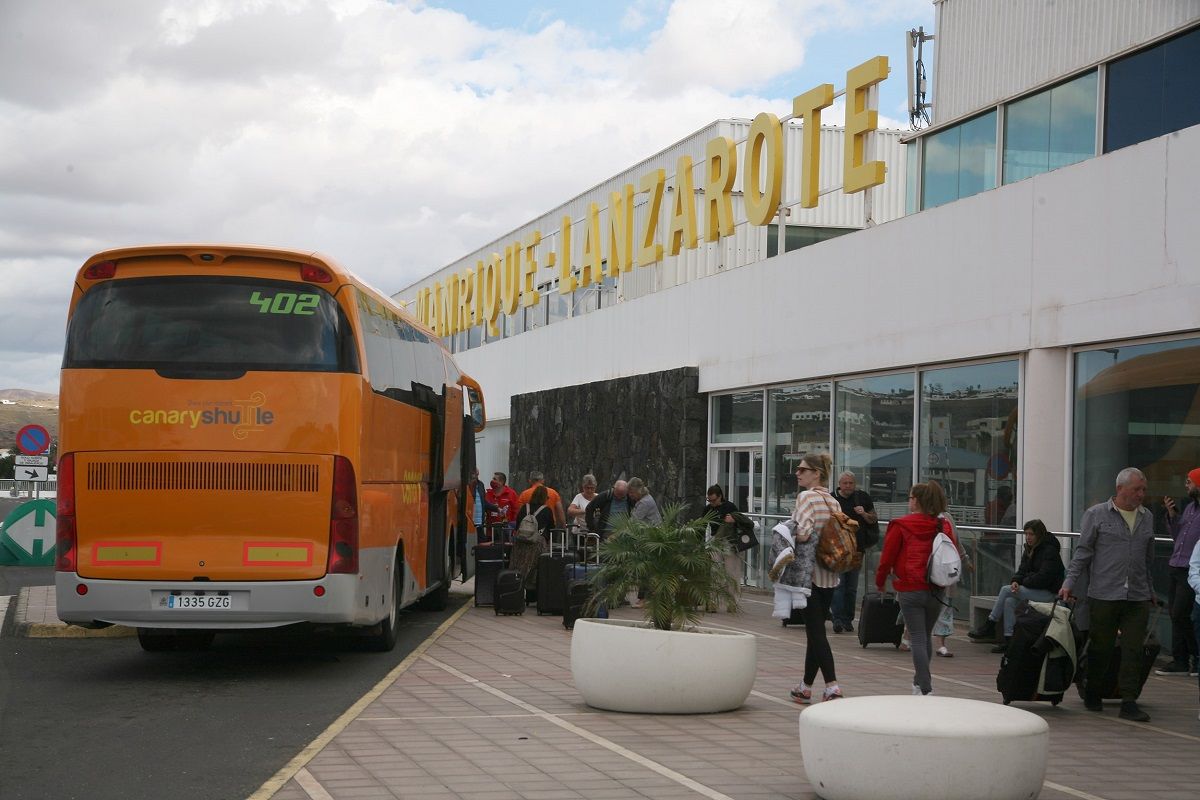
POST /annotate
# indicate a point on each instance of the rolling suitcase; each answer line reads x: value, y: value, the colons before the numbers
x: 579, y: 585
x: 510, y: 592
x: 1028, y: 651
x: 877, y: 620
x: 551, y: 574
x: 485, y: 580
x: 1110, y: 686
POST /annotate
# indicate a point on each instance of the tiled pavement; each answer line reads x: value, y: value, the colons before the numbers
x: 486, y: 710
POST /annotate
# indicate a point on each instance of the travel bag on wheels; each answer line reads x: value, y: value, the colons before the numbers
x: 878, y: 620
x: 578, y: 581
x: 1036, y: 666
x: 510, y: 592
x: 551, y: 575
x: 486, y: 570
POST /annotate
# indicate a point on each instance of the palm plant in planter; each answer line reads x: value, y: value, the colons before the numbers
x: 681, y: 573
x: 667, y: 664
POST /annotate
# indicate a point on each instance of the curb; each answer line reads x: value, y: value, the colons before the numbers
x: 61, y: 630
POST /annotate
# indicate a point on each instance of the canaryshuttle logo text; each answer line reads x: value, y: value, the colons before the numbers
x: 243, y: 416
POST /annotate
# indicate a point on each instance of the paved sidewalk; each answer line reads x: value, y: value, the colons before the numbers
x: 486, y: 710
x: 37, y: 618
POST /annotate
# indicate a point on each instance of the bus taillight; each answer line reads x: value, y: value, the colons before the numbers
x: 100, y: 270
x: 314, y: 274
x: 65, y: 539
x: 343, y: 520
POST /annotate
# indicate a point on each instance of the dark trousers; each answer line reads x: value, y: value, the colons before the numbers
x: 1180, y: 599
x: 818, y: 655
x: 845, y: 598
x: 1130, y: 618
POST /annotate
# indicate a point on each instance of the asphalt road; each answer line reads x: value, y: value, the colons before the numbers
x: 100, y: 718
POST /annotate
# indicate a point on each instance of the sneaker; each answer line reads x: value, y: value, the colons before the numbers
x: 800, y: 694
x: 927, y: 694
x: 1194, y: 672
x: 943, y: 652
x: 1174, y: 668
x: 1093, y: 703
x: 849, y: 626
x: 916, y: 690
x: 837, y: 627
x: 833, y: 694
x: 985, y: 634
x: 1130, y: 711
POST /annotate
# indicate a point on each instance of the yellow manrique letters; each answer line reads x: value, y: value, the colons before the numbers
x: 529, y: 292
x: 510, y: 279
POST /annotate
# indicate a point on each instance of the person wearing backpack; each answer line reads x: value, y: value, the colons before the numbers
x: 531, y: 537
x: 814, y: 508
x: 921, y: 573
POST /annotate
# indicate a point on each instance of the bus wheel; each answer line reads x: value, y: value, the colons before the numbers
x: 437, y: 599
x: 156, y: 640
x: 389, y: 628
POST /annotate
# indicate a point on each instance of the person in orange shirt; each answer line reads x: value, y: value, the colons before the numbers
x: 536, y: 479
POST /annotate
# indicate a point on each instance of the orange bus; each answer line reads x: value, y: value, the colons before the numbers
x: 251, y: 438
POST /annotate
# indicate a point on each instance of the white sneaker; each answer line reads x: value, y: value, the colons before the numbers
x: 916, y: 690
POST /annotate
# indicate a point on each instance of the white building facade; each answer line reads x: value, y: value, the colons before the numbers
x: 1015, y: 312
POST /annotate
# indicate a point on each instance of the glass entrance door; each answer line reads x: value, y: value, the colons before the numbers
x: 739, y: 471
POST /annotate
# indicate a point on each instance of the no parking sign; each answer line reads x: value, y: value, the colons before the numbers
x: 33, y: 440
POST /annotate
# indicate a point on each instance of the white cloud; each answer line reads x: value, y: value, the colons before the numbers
x: 393, y: 136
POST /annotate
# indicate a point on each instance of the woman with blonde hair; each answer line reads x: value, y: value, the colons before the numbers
x: 814, y: 506
x: 906, y: 550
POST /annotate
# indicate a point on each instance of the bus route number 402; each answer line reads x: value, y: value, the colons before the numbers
x: 286, y: 303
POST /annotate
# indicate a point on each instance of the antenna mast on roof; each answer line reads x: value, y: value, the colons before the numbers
x: 918, y: 107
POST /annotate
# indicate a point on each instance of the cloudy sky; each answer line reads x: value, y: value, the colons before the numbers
x: 394, y: 136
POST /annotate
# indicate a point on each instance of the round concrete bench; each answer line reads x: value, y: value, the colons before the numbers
x: 937, y: 748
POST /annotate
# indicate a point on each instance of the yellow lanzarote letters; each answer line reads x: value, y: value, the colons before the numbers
x: 718, y: 204
x: 808, y: 107
x: 766, y: 138
x: 620, y: 231
x: 592, y: 257
x: 566, y: 274
x: 682, y: 230
x: 861, y: 120
x: 649, y: 250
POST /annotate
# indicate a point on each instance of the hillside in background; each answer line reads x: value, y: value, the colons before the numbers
x: 28, y: 407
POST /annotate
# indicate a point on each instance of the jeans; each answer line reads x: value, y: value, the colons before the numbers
x: 1180, y: 599
x: 1006, y: 604
x: 845, y: 598
x: 1109, y: 616
x: 920, y: 610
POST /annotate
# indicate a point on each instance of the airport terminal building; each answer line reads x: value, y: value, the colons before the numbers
x: 1006, y: 300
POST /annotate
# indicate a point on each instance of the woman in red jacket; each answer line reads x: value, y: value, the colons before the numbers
x: 906, y: 549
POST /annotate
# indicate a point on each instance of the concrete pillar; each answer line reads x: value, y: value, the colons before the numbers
x: 1044, y: 461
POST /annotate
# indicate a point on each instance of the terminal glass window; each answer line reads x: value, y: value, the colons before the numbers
x: 737, y: 417
x: 585, y: 298
x: 959, y: 161
x: 1050, y: 129
x: 797, y: 236
x: 1136, y: 406
x: 1153, y: 92
x: 556, y: 304
x: 968, y: 439
x: 873, y: 437
x: 797, y: 423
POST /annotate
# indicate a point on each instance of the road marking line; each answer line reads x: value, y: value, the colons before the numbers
x: 1073, y: 792
x: 289, y: 770
x: 311, y: 786
x: 608, y: 744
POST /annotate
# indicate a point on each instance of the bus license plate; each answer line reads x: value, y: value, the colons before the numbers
x: 199, y: 601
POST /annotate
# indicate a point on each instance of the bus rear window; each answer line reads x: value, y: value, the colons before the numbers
x: 210, y: 323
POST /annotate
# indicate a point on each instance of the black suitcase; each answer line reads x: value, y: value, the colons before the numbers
x: 510, y: 592
x: 490, y: 552
x: 577, y: 577
x: 1021, y: 665
x: 551, y: 574
x: 877, y: 620
x: 1110, y: 686
x: 485, y: 581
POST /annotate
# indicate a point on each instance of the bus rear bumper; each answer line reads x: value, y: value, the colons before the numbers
x: 252, y: 604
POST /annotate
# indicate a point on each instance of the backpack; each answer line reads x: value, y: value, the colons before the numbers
x: 944, y: 567
x: 837, y: 549
x: 528, y: 529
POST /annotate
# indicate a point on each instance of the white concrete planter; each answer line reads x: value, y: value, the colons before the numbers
x: 627, y: 665
x: 936, y: 748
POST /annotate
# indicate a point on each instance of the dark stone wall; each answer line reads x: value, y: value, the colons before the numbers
x: 651, y: 426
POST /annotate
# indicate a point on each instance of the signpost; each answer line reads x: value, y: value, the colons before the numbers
x: 31, y: 465
x: 27, y: 536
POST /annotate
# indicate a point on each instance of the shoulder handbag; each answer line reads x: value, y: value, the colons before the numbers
x: 744, y: 536
x: 837, y: 547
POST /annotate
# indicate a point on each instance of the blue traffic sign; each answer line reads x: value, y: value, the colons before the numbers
x: 33, y: 440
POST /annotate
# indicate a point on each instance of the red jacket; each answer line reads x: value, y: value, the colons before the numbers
x: 506, y: 498
x: 906, y: 549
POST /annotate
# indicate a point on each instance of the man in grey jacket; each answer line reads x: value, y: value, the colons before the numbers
x: 1116, y: 549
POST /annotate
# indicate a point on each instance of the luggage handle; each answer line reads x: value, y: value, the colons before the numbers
x: 562, y: 549
x: 584, y: 537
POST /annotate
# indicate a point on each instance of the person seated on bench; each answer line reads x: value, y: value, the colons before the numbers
x: 1039, y: 577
